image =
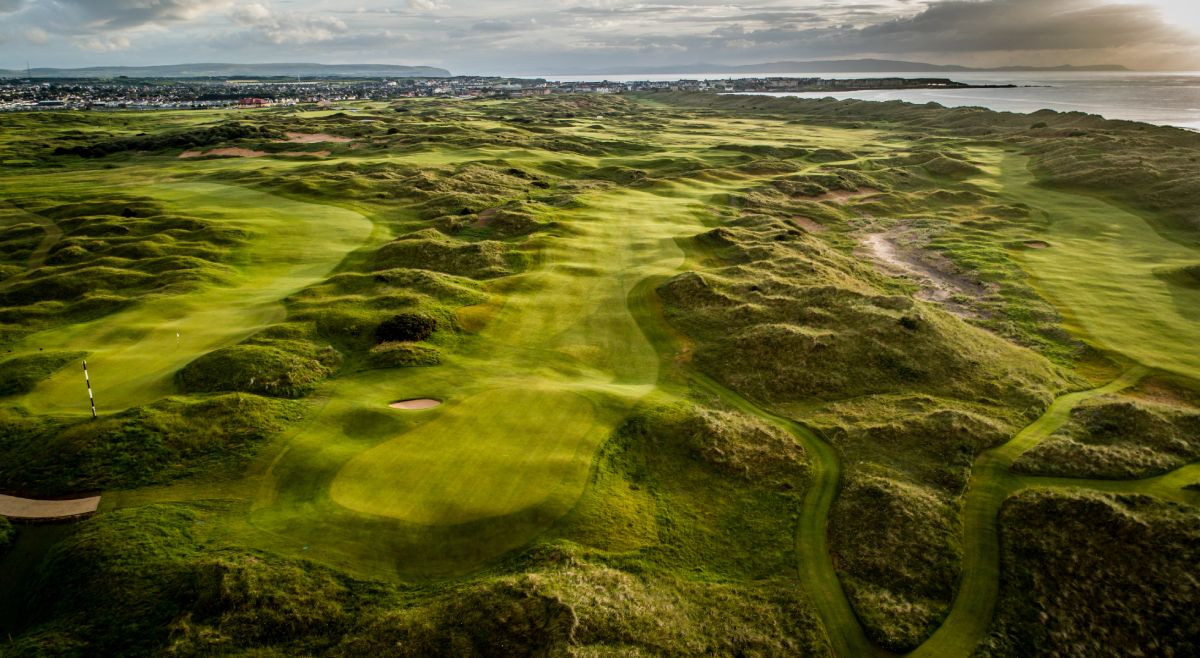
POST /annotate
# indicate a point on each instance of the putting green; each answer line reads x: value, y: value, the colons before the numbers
x: 527, y: 404
x: 133, y: 354
x: 486, y: 457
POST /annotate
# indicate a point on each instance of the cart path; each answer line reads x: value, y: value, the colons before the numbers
x: 30, y: 509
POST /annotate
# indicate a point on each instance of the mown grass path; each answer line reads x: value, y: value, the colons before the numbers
x: 992, y: 482
x: 815, y: 568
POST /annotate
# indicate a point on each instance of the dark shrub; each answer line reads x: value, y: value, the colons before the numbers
x: 405, y: 327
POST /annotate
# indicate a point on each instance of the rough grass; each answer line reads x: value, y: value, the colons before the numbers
x: 811, y: 323
x: 20, y: 374
x: 1118, y: 437
x: 430, y: 250
x: 898, y: 547
x: 189, y: 598
x: 8, y: 535
x: 170, y: 439
x: 1090, y: 574
x: 253, y: 369
x: 678, y: 534
x: 103, y: 256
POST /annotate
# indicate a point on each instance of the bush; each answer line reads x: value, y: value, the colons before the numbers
x: 403, y: 355
x: 21, y: 374
x: 170, y: 439
x: 405, y: 327
x: 253, y: 369
x: 7, y: 534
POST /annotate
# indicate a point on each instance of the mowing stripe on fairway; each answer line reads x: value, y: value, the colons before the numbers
x: 1100, y: 271
x: 498, y: 452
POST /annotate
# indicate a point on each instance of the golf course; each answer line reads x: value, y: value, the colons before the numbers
x: 661, y: 374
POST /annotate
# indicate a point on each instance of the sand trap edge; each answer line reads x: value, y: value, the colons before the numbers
x: 415, y: 404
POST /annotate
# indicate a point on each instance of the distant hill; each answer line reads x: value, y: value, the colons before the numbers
x: 240, y: 71
x: 831, y: 66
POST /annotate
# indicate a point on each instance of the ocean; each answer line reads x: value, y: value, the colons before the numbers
x: 1169, y: 99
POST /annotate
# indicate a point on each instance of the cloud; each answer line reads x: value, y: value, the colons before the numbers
x: 119, y: 14
x: 502, y: 26
x: 524, y: 35
x: 282, y: 28
x: 37, y: 36
x: 1081, y: 31
x: 425, y: 5
x: 103, y: 44
x: 963, y: 26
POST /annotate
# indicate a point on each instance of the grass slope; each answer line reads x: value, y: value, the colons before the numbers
x: 617, y: 468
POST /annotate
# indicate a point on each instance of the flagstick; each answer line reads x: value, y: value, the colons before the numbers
x: 91, y: 398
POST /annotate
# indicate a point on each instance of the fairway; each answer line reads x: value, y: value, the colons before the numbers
x: 1099, y: 269
x: 495, y: 453
x: 133, y: 354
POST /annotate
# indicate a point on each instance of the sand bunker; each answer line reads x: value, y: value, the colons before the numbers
x: 1037, y: 244
x: 415, y: 404
x: 315, y: 138
x: 29, y: 509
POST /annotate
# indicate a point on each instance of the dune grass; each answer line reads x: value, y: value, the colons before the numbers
x: 134, y: 354
x: 598, y: 477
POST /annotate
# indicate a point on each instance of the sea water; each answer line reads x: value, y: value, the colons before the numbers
x: 1164, y: 98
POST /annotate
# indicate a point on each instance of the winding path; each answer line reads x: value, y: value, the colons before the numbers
x: 992, y: 482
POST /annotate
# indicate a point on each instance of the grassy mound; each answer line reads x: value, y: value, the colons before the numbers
x: 192, y: 138
x: 8, y: 534
x: 1096, y: 575
x: 403, y: 355
x: 253, y: 369
x: 1187, y: 276
x: 20, y: 374
x: 430, y: 250
x: 103, y: 254
x: 790, y: 319
x: 897, y: 547
x: 734, y: 444
x: 186, y: 598
x: 170, y: 439
x: 1119, y: 437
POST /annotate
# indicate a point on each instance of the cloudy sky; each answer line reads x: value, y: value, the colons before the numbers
x: 543, y: 36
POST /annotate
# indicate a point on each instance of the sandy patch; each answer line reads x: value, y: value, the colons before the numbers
x: 415, y: 404
x: 1037, y: 244
x: 486, y: 217
x: 939, y: 280
x: 315, y: 138
x: 842, y: 196
x: 247, y: 153
x: 234, y: 152
x: 808, y: 225
x: 41, y: 510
